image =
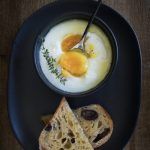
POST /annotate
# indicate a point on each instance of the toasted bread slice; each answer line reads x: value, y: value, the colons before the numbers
x: 97, y: 128
x: 96, y: 122
x: 64, y: 132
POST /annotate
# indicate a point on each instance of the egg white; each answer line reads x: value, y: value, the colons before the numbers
x: 98, y: 66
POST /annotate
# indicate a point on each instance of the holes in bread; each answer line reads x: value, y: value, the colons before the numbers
x: 70, y: 133
x: 99, y: 124
x: 102, y: 135
x: 63, y: 140
x: 68, y: 144
x: 61, y: 149
x: 89, y: 137
x: 88, y: 114
x: 73, y: 140
x: 48, y: 127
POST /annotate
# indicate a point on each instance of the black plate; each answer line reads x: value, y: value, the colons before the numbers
x: 29, y: 97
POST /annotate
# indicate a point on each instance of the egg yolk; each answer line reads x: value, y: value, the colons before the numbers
x: 65, y: 73
x: 70, y: 41
x: 74, y: 62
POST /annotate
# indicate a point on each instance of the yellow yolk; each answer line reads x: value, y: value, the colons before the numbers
x: 65, y: 73
x: 70, y: 41
x: 74, y: 62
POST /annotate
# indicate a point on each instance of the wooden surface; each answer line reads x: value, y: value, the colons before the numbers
x: 12, y: 15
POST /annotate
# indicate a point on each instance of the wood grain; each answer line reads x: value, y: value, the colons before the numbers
x: 12, y: 15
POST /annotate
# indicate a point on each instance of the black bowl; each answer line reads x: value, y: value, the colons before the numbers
x: 83, y: 16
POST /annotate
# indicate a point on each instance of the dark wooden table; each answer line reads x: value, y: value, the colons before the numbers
x: 12, y: 15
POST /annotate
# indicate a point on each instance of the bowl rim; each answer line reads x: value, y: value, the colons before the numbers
x: 80, y: 16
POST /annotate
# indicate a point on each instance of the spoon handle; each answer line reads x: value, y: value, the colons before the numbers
x: 91, y: 19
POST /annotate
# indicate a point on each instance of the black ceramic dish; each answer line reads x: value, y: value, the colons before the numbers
x: 29, y: 98
x: 81, y: 16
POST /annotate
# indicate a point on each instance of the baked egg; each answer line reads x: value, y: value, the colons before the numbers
x: 81, y: 72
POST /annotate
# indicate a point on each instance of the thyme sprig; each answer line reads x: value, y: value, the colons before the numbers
x: 51, y: 62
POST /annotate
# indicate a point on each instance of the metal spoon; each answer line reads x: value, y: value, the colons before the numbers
x: 80, y: 46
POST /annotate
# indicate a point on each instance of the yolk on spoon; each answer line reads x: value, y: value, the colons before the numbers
x: 70, y: 41
x: 74, y: 62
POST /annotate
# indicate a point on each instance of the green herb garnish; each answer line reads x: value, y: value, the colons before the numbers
x: 51, y: 62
